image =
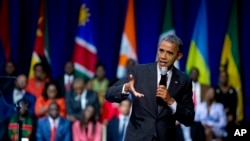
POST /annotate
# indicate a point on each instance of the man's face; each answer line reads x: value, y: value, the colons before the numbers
x: 78, y: 87
x: 194, y: 75
x: 9, y: 68
x: 21, y: 82
x: 69, y: 68
x: 54, y: 111
x: 167, y: 54
x: 125, y: 107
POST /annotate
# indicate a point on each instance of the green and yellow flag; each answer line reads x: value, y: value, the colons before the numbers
x: 231, y: 59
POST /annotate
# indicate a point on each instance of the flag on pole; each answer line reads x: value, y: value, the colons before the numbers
x: 85, y: 51
x: 168, y: 27
x: 198, y: 51
x: 41, y: 48
x: 4, y: 28
x: 128, y: 42
x: 230, y: 59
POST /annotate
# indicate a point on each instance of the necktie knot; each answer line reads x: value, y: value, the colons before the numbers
x: 163, y: 80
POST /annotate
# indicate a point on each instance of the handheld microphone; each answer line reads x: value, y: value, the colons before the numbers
x: 163, y: 80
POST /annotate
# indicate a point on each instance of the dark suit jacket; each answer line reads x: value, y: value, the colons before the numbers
x: 113, y: 130
x: 74, y: 107
x: 27, y: 96
x: 145, y: 120
x: 61, y: 84
x: 63, y: 131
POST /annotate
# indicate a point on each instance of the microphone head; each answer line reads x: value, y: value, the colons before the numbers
x: 164, y: 70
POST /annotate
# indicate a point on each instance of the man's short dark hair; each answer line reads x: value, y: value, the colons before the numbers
x: 172, y: 38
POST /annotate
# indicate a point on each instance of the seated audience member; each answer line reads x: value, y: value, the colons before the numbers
x: 227, y: 95
x: 65, y: 81
x: 99, y: 83
x: 77, y: 100
x: 10, y: 69
x: 116, y: 128
x: 88, y: 128
x: 50, y: 94
x: 27, y: 122
x: 36, y: 84
x: 53, y: 127
x: 212, y: 116
x: 18, y: 93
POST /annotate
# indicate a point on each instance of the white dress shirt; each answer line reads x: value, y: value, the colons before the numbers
x: 17, y: 95
x: 123, y: 119
x: 53, y: 122
x: 68, y: 78
x: 84, y: 99
x: 197, y: 92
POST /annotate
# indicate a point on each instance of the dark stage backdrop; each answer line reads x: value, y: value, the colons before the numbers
x: 63, y: 19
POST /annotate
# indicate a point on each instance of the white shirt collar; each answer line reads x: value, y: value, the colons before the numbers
x: 19, y: 91
x: 84, y: 99
x: 18, y: 94
x: 169, y: 73
x: 68, y: 78
x: 51, y: 122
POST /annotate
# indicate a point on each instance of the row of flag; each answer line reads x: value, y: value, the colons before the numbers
x: 85, y: 50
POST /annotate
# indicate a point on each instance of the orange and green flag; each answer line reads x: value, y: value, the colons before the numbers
x: 128, y: 44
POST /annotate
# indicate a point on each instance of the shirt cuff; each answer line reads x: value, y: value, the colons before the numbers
x: 173, y: 107
x: 123, y: 90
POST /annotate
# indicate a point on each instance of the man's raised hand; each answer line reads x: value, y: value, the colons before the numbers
x: 129, y: 87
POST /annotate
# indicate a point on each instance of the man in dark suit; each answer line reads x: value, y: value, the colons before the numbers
x: 66, y: 80
x: 18, y: 93
x: 79, y: 98
x: 156, y: 107
x: 117, y: 126
x: 53, y: 127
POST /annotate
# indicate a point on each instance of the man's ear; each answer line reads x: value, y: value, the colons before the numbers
x: 179, y: 56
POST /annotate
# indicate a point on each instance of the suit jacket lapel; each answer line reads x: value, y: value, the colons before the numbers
x: 175, y: 80
x: 59, y: 128
x: 47, y: 128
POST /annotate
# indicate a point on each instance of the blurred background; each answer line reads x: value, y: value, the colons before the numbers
x: 100, y: 27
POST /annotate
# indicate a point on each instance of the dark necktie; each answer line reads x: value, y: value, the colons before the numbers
x: 160, y: 102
